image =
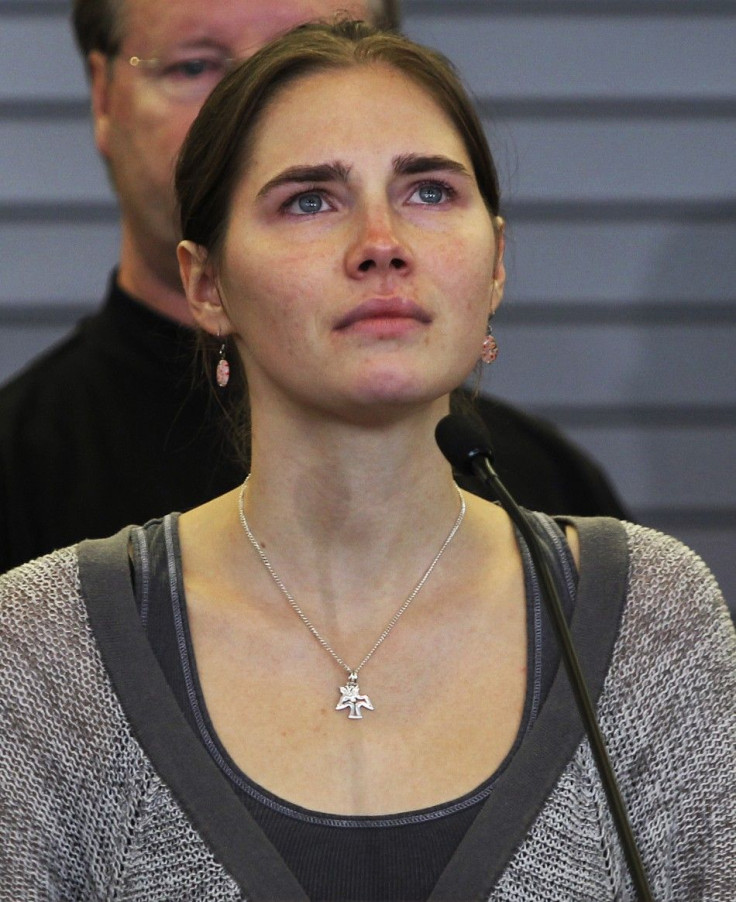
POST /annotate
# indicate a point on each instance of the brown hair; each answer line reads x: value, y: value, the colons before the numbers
x: 98, y: 24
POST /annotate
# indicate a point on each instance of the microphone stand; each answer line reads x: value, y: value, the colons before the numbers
x: 483, y: 469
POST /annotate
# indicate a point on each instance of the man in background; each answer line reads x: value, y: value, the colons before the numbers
x: 115, y: 425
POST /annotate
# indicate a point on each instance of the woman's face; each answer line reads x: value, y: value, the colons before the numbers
x: 358, y: 264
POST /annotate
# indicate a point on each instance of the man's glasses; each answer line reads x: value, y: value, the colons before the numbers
x: 185, y: 77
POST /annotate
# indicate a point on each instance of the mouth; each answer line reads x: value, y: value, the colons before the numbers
x: 389, y: 311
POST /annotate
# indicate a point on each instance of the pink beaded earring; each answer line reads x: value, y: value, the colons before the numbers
x: 490, y: 348
x: 222, y: 371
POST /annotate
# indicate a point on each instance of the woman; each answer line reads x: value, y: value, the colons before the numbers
x: 338, y: 682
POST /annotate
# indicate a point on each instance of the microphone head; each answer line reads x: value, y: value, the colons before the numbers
x: 461, y: 441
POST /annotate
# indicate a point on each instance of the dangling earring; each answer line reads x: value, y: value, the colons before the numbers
x: 222, y: 371
x: 490, y: 348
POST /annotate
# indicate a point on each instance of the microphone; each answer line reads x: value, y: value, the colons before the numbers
x: 463, y: 443
x: 467, y: 447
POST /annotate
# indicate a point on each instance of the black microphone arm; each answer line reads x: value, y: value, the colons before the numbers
x: 468, y: 449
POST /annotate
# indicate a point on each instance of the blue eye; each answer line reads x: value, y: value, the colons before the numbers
x: 306, y: 203
x: 310, y: 203
x: 196, y: 68
x: 431, y: 194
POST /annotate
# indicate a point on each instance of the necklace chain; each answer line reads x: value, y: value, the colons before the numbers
x: 308, y: 623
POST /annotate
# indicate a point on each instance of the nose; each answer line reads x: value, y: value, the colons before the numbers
x: 378, y: 244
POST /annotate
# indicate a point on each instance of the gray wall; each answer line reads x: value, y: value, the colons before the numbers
x: 614, y: 125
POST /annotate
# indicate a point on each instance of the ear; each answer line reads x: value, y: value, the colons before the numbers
x: 199, y: 279
x: 100, y: 90
x: 499, y: 267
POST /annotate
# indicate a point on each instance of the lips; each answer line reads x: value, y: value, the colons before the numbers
x: 383, y: 309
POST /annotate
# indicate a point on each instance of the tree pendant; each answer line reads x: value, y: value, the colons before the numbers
x: 352, y: 699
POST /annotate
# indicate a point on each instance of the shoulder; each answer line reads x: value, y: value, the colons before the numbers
x: 662, y: 573
x: 46, y: 581
x: 665, y: 574
x: 672, y: 626
x: 51, y: 657
x: 674, y: 660
x: 45, y: 604
x: 677, y: 623
x: 42, y: 614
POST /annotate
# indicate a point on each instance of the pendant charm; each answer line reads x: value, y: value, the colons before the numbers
x: 351, y: 698
x: 222, y: 373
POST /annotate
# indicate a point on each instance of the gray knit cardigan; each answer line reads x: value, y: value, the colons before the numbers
x: 105, y: 794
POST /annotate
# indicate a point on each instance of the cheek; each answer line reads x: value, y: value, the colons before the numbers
x: 153, y: 134
x: 468, y: 275
x: 467, y: 251
x: 265, y: 302
x: 287, y: 282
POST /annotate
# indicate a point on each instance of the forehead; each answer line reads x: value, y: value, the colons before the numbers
x: 241, y: 25
x: 367, y: 112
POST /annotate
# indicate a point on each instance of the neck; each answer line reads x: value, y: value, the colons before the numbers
x: 364, y: 497
x: 157, y: 286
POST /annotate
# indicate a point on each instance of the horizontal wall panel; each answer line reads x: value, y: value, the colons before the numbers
x: 50, y: 161
x: 558, y: 161
x: 621, y: 262
x: 615, y: 159
x: 574, y: 56
x: 681, y: 468
x: 43, y: 263
x: 39, y: 60
x: 585, y: 56
x: 580, y: 366
x: 35, y: 7
x: 20, y: 343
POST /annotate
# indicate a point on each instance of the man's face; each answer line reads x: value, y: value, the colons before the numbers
x: 142, y: 112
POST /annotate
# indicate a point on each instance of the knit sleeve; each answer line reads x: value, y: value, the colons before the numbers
x: 669, y: 714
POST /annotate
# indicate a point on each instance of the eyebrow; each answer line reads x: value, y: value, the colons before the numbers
x: 405, y: 164
x: 322, y: 172
x: 415, y: 164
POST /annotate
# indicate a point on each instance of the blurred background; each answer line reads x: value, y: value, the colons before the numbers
x: 614, y: 127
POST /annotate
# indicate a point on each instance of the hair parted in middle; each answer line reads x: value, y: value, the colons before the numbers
x: 216, y: 149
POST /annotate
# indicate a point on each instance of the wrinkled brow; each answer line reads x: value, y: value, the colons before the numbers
x: 323, y: 172
x: 405, y: 164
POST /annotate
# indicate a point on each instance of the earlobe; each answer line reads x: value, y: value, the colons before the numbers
x: 199, y: 279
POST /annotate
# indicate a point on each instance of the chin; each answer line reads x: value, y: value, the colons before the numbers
x: 394, y: 399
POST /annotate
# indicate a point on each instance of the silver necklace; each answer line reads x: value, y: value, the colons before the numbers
x: 350, y: 695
